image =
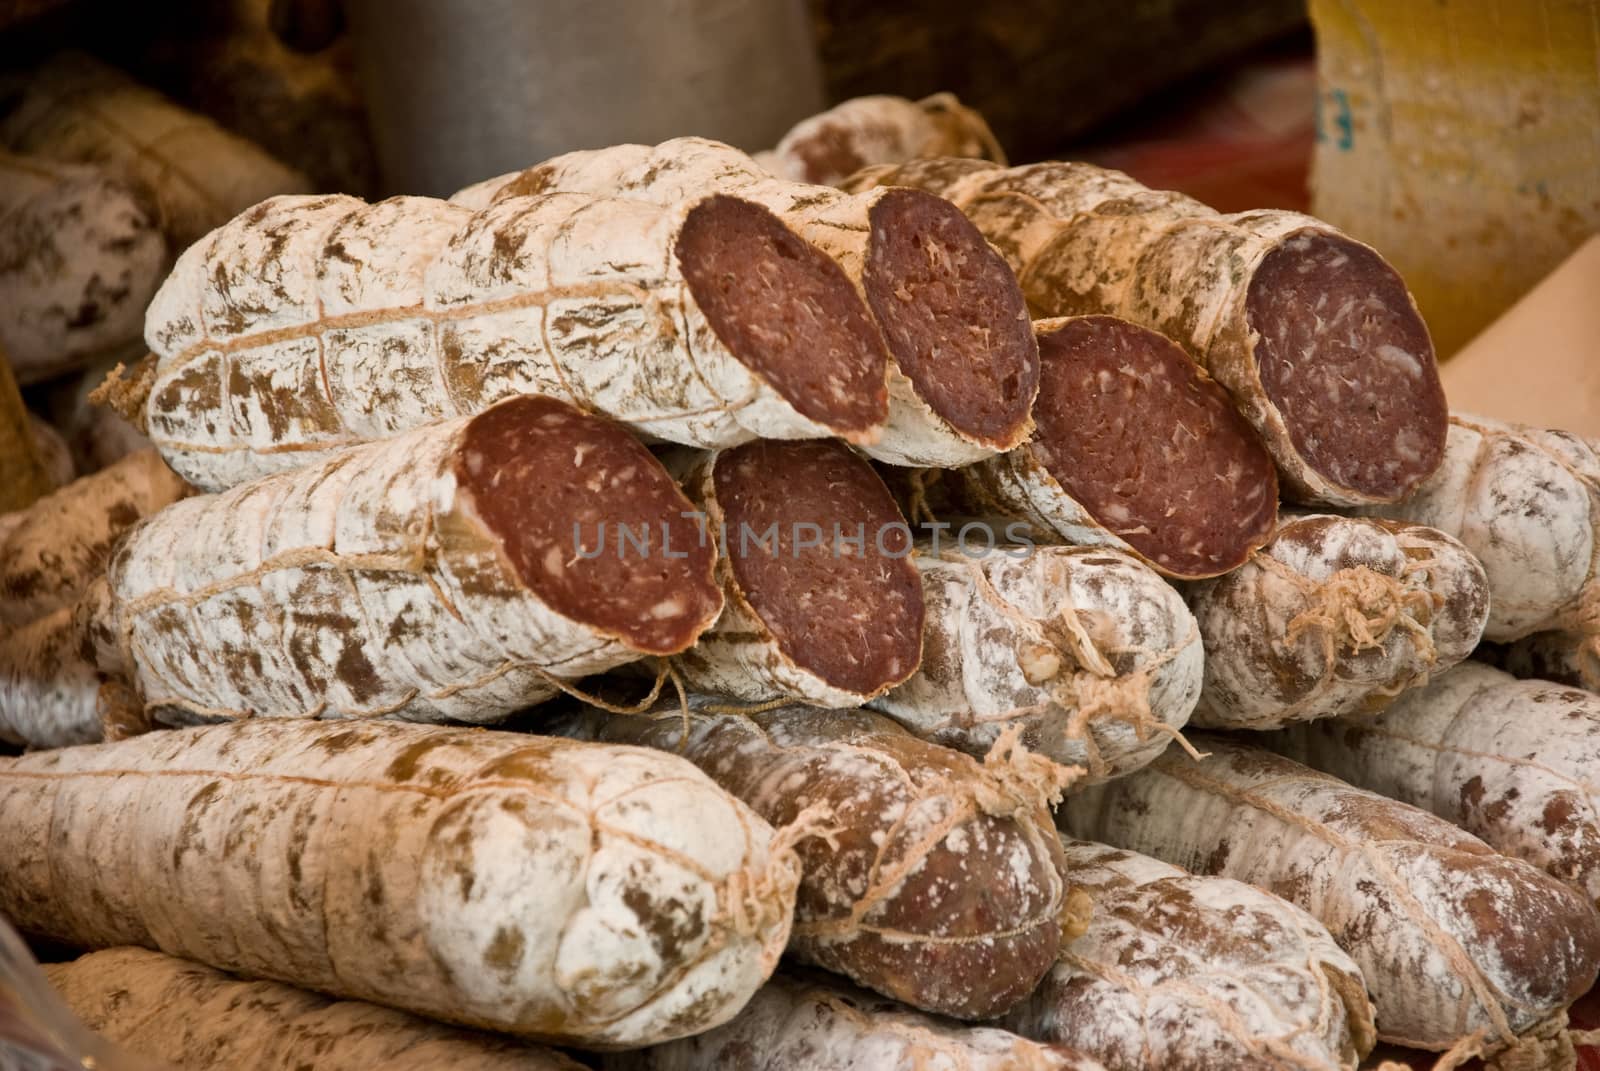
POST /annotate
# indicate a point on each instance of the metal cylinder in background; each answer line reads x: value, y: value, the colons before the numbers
x: 460, y: 90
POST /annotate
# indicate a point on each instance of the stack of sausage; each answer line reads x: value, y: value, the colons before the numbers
x: 935, y: 505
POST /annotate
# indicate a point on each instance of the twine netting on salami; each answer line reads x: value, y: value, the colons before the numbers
x: 1510, y: 761
x: 1311, y: 332
x: 1526, y: 502
x: 963, y: 364
x: 1181, y: 972
x: 308, y: 324
x: 1452, y: 938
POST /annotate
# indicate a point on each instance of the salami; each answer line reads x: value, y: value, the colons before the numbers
x: 939, y: 883
x: 797, y: 1021
x: 1136, y: 448
x: 53, y: 451
x: 1312, y: 333
x: 831, y: 146
x: 51, y: 691
x: 1571, y: 658
x: 1335, y: 616
x: 1454, y: 939
x: 312, y: 323
x: 1178, y: 972
x: 579, y: 893
x: 1526, y: 502
x: 194, y: 174
x: 1089, y: 653
x: 97, y: 435
x: 203, y: 1020
x: 821, y: 603
x: 964, y: 366
x: 80, y: 256
x: 55, y: 547
x: 449, y: 573
x: 1509, y: 761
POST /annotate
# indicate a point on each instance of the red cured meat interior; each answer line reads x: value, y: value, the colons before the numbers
x: 1154, y: 450
x: 954, y: 316
x: 787, y: 312
x: 534, y: 468
x: 1347, y: 359
x: 851, y: 615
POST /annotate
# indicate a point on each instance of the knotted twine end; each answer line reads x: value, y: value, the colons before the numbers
x: 1020, y: 780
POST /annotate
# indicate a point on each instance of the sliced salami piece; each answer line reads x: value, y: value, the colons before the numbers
x: 822, y: 602
x: 938, y: 881
x: 450, y: 573
x: 312, y: 323
x: 963, y: 362
x: 1134, y: 447
x: 1312, y: 333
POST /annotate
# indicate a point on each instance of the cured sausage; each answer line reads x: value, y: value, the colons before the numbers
x: 822, y: 603
x: 1313, y: 333
x: 1133, y: 447
x: 963, y: 364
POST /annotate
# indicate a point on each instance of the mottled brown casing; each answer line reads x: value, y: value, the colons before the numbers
x: 1452, y: 937
x: 801, y: 1021
x: 600, y: 895
x: 1334, y: 616
x: 1514, y: 762
x: 940, y: 884
x: 198, y: 1018
x: 1179, y: 972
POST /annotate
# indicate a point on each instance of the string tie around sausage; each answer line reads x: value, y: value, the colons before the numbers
x: 1356, y: 608
x: 1086, y: 682
x: 918, y: 512
x: 1020, y: 780
x: 1548, y: 1045
x: 125, y: 390
x: 754, y: 905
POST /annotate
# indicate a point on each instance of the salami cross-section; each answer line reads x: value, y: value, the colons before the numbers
x: 1136, y: 448
x: 823, y: 602
x: 312, y: 323
x: 448, y: 573
x: 1313, y: 334
x: 964, y: 368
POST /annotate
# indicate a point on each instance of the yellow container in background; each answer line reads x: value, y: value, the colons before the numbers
x: 1461, y: 138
